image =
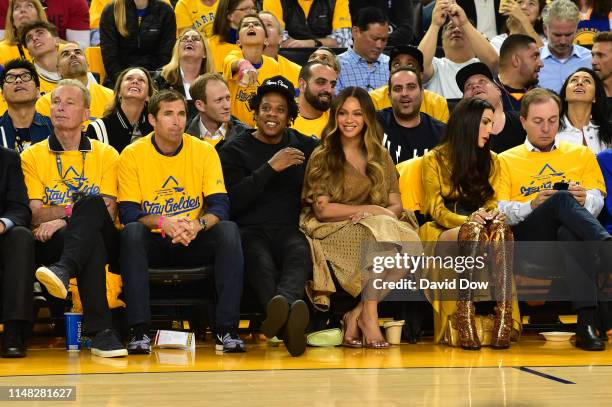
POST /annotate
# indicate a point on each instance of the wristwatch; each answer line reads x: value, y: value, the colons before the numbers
x: 203, y: 223
x: 317, y: 42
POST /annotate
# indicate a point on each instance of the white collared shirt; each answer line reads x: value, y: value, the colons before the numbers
x: 531, y: 148
x: 590, y: 133
x: 205, y: 133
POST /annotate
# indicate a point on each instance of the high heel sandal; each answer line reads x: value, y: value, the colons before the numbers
x: 372, y: 344
x: 348, y: 342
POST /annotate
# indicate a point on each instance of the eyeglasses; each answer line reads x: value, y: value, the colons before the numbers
x: 25, y: 77
x: 192, y: 38
x: 246, y: 9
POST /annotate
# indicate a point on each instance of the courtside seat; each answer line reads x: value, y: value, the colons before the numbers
x: 94, y: 60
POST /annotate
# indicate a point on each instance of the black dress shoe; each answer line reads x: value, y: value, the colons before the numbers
x: 294, y: 338
x: 277, y: 312
x: 587, y: 339
x: 12, y: 344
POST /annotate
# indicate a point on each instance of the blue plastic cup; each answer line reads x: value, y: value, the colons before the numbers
x: 74, y: 322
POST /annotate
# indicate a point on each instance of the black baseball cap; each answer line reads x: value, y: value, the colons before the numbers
x: 278, y: 84
x: 406, y: 50
x: 472, y: 69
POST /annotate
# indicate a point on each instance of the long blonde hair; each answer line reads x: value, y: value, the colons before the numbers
x: 120, y: 17
x: 171, y: 72
x: 10, y: 31
x: 325, y: 174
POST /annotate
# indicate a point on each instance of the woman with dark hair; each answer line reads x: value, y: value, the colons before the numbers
x: 225, y: 28
x: 352, y: 198
x: 524, y: 17
x: 459, y: 176
x: 136, y: 33
x: 191, y: 57
x: 585, y: 111
x: 125, y: 119
x: 595, y: 17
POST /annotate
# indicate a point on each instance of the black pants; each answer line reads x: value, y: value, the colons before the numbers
x: 277, y: 261
x: 141, y: 249
x: 562, y: 218
x: 17, y: 271
x: 84, y: 247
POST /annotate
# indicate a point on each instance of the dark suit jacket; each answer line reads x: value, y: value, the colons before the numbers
x: 13, y: 193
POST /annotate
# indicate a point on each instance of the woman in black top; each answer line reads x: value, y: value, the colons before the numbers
x: 125, y: 120
x: 136, y: 33
x: 191, y: 57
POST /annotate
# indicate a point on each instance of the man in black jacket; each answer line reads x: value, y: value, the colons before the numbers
x: 264, y: 171
x: 16, y: 255
x: 214, y: 122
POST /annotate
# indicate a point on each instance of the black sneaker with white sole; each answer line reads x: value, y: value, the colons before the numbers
x: 228, y: 341
x: 106, y: 344
x: 55, y: 278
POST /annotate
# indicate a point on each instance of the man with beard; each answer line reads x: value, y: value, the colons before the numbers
x: 71, y: 64
x: 214, y: 122
x: 560, y: 56
x: 519, y: 67
x: 21, y: 126
x: 317, y: 89
x: 409, y: 132
x: 264, y: 171
x: 410, y: 56
x: 602, y: 62
x: 476, y: 80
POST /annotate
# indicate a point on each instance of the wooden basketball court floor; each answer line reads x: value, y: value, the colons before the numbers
x: 531, y: 373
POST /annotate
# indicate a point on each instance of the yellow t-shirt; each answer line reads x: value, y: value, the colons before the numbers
x: 193, y: 13
x: 433, y: 104
x: 46, y: 86
x: 44, y: 181
x: 220, y: 50
x: 341, y: 19
x: 289, y: 69
x: 411, y: 184
x: 241, y: 96
x: 10, y: 51
x: 311, y: 127
x: 100, y: 98
x: 525, y: 173
x: 3, y: 106
x: 170, y: 186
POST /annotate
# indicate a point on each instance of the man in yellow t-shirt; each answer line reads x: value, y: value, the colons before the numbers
x: 198, y: 14
x: 249, y: 63
x: 410, y: 56
x: 286, y: 68
x: 41, y: 39
x: 312, y: 23
x: 72, y: 187
x: 172, y: 184
x: 317, y: 89
x: 72, y: 64
x: 553, y: 191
